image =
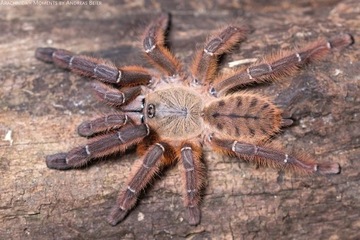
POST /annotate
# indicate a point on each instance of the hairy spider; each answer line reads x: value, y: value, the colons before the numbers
x: 170, y: 113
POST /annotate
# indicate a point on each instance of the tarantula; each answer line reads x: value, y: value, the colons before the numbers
x: 172, y: 112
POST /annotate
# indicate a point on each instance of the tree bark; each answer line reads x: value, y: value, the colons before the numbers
x: 41, y: 106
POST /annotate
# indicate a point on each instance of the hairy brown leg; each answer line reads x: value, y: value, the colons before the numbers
x: 141, y: 177
x: 193, y: 175
x: 278, y: 66
x: 115, y: 97
x: 99, y: 146
x: 204, y: 65
x: 102, y: 124
x: 270, y: 156
x: 96, y: 68
x: 155, y: 50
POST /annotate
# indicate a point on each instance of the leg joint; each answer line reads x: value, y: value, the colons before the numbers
x: 185, y: 148
x: 131, y: 190
x: 118, y: 79
x: 233, y: 146
x: 161, y: 146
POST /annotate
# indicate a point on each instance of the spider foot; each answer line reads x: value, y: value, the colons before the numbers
x: 57, y: 161
x: 45, y: 54
x: 286, y: 121
x: 327, y: 168
x: 116, y: 215
x: 193, y: 215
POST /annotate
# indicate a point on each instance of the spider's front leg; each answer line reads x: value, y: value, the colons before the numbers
x: 103, y: 145
x: 278, y: 66
x: 273, y: 157
x: 127, y: 78
x: 142, y: 175
x: 96, y: 68
x: 120, y: 98
x: 102, y: 124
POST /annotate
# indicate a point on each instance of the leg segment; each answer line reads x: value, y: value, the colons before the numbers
x: 278, y: 66
x: 95, y: 68
x: 114, y: 96
x: 142, y: 176
x: 98, y: 147
x: 204, y: 65
x: 102, y: 124
x: 268, y: 156
x: 192, y: 170
x: 155, y: 50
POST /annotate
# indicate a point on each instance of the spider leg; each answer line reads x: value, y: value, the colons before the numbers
x: 192, y: 170
x: 141, y: 177
x: 155, y: 49
x: 270, y: 156
x: 99, y: 146
x: 277, y: 66
x: 102, y: 124
x: 204, y: 65
x: 95, y: 68
x: 115, y: 97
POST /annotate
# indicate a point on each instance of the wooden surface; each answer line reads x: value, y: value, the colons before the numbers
x: 41, y: 105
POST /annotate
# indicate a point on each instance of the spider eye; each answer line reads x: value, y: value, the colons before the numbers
x: 151, y: 110
x: 142, y: 118
x: 210, y: 137
x: 212, y: 91
x: 196, y: 82
x: 142, y: 103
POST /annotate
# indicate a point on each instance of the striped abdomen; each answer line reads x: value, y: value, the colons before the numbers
x: 244, y: 115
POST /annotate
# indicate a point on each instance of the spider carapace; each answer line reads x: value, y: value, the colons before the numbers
x: 170, y: 112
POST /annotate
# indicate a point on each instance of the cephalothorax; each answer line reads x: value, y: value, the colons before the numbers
x: 175, y: 113
x: 170, y: 113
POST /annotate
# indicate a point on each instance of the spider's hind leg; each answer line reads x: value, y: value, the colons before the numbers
x: 278, y: 66
x: 273, y: 157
